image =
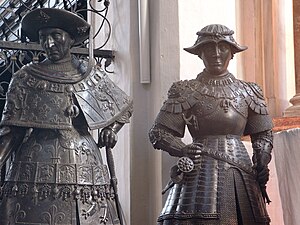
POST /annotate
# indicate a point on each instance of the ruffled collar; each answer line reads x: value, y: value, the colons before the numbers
x: 64, y: 72
x: 226, y: 86
x: 209, y: 79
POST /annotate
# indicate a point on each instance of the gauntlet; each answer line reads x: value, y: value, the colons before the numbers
x: 164, y: 140
x: 262, y: 144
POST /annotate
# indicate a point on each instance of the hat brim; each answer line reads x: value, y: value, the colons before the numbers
x: 196, y: 49
x: 41, y: 18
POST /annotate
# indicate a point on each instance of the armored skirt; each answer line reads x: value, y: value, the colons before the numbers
x: 222, y: 188
x: 57, y: 175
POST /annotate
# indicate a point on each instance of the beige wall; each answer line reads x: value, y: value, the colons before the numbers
x: 192, y: 18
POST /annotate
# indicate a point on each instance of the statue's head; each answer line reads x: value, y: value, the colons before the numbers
x: 215, y: 45
x: 56, y: 30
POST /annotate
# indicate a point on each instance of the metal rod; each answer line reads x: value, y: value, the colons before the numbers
x: 113, y: 179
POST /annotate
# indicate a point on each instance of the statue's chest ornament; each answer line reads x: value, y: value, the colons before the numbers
x: 225, y: 104
x: 191, y: 120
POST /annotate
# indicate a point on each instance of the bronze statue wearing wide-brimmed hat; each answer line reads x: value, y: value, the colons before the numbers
x: 57, y: 175
x: 214, y: 181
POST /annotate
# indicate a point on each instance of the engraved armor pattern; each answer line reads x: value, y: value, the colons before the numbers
x: 217, y: 111
x: 58, y: 172
x: 36, y: 100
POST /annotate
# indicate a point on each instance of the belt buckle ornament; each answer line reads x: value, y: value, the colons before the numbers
x: 185, y: 164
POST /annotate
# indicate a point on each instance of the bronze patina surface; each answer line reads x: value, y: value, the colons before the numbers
x: 215, y: 181
x: 57, y: 175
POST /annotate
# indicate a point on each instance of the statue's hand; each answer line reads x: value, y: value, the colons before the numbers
x: 261, y: 167
x: 264, y: 159
x: 107, y: 138
x: 263, y: 174
x: 193, y: 151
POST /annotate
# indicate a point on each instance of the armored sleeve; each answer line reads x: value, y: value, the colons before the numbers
x: 258, y: 119
x: 171, y: 113
x: 169, y: 126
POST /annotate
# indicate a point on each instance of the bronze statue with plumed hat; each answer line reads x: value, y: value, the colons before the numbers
x: 214, y: 181
x: 57, y: 175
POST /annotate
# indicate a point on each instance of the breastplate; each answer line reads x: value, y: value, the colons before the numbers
x: 217, y: 116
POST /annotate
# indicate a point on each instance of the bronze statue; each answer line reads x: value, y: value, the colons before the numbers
x: 214, y: 181
x: 57, y: 175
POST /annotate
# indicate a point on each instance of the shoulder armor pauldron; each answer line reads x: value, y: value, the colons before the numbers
x: 180, y: 97
x: 36, y: 102
x: 255, y: 98
x: 101, y: 101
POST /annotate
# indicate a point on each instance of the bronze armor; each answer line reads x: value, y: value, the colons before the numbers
x: 57, y: 175
x: 44, y: 98
x: 217, y: 112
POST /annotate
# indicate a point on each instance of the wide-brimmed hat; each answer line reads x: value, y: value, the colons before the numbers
x: 215, y: 33
x: 40, y: 18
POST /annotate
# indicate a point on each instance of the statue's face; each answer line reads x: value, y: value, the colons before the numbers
x: 56, y: 43
x: 216, y: 57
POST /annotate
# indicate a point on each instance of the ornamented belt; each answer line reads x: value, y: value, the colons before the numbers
x: 186, y: 165
x: 55, y: 173
x: 222, y: 156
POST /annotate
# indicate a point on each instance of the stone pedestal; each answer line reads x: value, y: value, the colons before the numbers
x: 294, y: 110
